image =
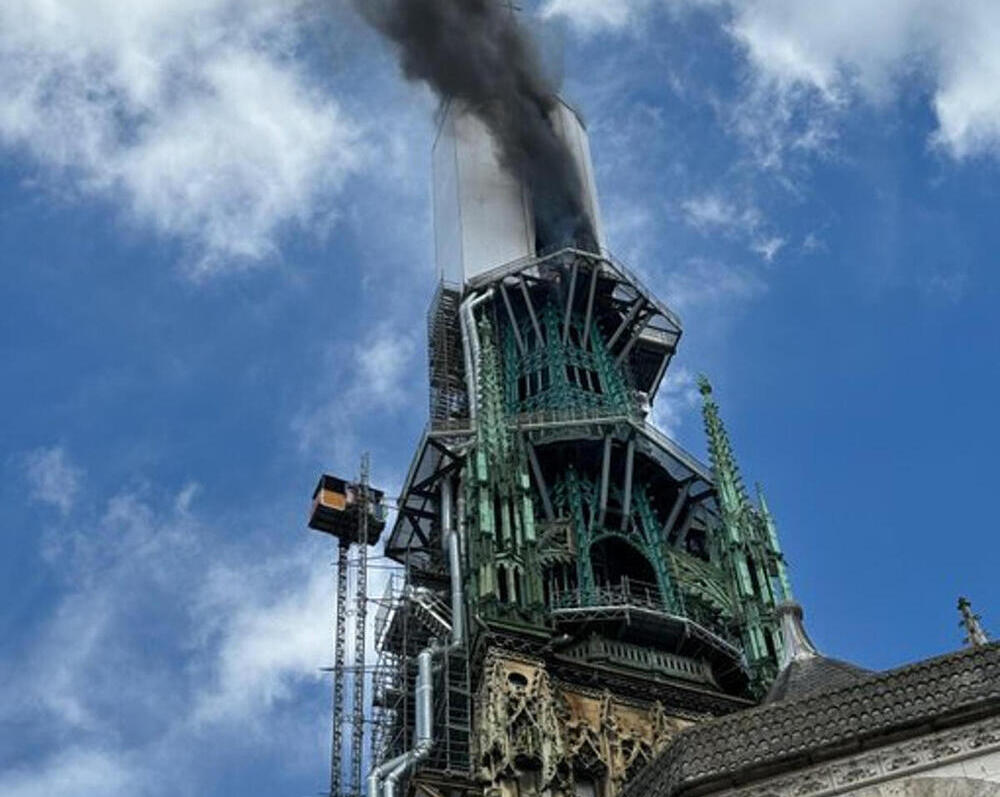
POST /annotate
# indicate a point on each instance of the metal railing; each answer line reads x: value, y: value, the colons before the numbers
x: 633, y: 595
x: 628, y: 592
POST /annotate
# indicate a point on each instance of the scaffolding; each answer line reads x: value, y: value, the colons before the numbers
x: 448, y: 397
x: 411, y: 614
x: 360, y: 629
x: 339, y: 643
x: 354, y: 515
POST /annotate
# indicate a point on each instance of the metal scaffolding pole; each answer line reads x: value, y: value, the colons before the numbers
x: 360, y: 622
x: 339, y: 634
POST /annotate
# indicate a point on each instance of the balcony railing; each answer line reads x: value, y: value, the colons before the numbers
x: 632, y: 595
x: 627, y: 593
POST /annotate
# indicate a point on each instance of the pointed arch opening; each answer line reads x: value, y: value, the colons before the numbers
x: 623, y: 570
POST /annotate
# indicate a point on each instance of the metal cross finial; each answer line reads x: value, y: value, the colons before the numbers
x: 975, y: 635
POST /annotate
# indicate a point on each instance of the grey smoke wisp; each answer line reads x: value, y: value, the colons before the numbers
x: 474, y: 52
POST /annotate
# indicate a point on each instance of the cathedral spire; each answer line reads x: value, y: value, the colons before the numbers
x: 732, y: 493
x: 975, y: 635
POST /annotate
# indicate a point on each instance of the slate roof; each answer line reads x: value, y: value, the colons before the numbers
x: 738, y: 748
x: 805, y: 677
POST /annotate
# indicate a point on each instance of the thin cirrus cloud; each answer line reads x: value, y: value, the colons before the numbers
x: 52, y: 478
x: 713, y: 212
x: 192, y: 115
x: 854, y: 48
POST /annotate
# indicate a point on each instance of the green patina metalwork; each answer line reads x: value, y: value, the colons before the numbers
x: 530, y: 550
x: 508, y: 578
x: 748, y: 551
x: 550, y: 375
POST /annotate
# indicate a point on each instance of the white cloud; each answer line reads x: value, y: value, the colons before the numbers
x: 382, y: 366
x: 779, y: 124
x: 191, y: 113
x: 813, y: 243
x: 72, y: 773
x: 767, y: 248
x: 271, y: 636
x: 675, y: 401
x: 370, y: 380
x: 591, y: 15
x: 850, y: 48
x: 708, y: 283
x: 52, y: 478
x: 167, y: 633
x: 713, y: 212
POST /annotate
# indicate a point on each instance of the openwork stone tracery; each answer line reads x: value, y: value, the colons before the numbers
x: 538, y: 735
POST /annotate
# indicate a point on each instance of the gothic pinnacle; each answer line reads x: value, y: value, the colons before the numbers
x: 975, y: 635
x: 720, y: 452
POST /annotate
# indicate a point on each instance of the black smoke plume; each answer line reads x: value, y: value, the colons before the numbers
x: 474, y: 52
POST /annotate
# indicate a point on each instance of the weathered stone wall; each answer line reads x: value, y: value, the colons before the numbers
x: 928, y: 786
x: 975, y: 776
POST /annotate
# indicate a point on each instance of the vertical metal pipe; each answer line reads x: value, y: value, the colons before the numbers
x: 627, y: 497
x: 423, y: 697
x: 392, y: 771
x: 460, y: 523
x: 470, y: 376
x: 444, y: 507
x: 470, y: 347
x: 596, y: 269
x: 454, y: 565
x: 605, y: 475
x: 424, y: 693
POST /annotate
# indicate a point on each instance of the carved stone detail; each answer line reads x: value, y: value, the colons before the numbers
x: 518, y: 726
x: 545, y: 734
x: 891, y: 762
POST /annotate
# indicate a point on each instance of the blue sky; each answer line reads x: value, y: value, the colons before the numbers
x: 216, y: 243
